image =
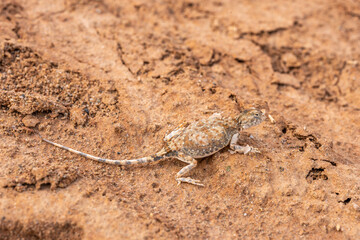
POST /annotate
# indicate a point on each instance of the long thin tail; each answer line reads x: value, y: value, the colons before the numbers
x: 157, y: 157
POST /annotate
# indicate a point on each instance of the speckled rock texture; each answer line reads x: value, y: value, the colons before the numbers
x: 112, y: 78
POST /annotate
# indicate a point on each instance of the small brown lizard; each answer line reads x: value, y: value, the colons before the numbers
x: 195, y: 140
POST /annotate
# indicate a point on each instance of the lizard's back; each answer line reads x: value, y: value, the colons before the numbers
x: 202, y: 138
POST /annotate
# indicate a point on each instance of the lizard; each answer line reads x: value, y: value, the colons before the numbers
x: 191, y: 141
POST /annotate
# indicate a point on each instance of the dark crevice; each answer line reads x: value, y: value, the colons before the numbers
x: 215, y: 58
x: 44, y: 186
x: 316, y: 174
x: 11, y: 9
x: 325, y: 160
x: 269, y: 32
x: 233, y: 98
x: 38, y: 229
x: 42, y: 112
x: 212, y: 90
x: 16, y: 30
x: 340, y: 73
x: 352, y: 14
x: 346, y: 201
x: 4, y: 107
x: 331, y: 162
x: 311, y: 137
x: 176, y: 72
x: 120, y: 54
x: 275, y: 56
x: 239, y: 60
x: 316, y: 143
x: 284, y: 85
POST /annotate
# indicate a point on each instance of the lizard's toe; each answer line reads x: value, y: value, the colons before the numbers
x: 191, y: 181
x: 255, y: 150
x: 249, y: 149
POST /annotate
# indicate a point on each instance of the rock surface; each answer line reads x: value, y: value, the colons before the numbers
x: 111, y: 78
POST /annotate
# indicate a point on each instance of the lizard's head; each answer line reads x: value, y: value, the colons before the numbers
x: 251, y: 117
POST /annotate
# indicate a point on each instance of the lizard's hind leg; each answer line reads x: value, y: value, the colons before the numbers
x: 192, y: 164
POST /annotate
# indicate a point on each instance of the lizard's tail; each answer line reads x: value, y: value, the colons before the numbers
x: 162, y: 154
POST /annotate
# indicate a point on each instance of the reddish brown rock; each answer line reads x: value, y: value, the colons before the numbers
x: 112, y: 78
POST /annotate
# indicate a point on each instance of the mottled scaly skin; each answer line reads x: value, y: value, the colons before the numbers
x: 204, y: 137
x: 194, y: 140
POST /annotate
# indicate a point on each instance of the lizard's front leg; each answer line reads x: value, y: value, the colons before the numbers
x: 192, y: 164
x: 235, y: 148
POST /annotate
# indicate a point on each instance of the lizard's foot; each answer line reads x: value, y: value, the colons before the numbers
x: 189, y: 180
x: 253, y: 150
x: 245, y: 150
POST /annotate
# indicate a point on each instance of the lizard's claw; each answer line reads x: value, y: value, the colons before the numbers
x: 245, y: 150
x: 250, y: 149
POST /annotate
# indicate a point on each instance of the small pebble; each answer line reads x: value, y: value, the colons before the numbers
x: 30, y: 121
x: 356, y: 207
x: 338, y: 228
